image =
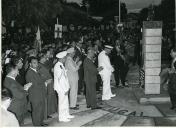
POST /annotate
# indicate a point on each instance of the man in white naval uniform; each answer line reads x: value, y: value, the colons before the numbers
x: 104, y: 61
x: 61, y: 85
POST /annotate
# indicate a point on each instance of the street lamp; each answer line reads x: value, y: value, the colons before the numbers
x: 87, y: 9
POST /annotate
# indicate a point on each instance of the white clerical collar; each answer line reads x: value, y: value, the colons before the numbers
x: 33, y: 69
x: 11, y: 77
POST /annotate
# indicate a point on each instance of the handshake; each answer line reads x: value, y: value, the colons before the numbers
x: 27, y: 86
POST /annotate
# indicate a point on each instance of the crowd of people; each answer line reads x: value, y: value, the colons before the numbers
x: 41, y: 81
x: 48, y: 80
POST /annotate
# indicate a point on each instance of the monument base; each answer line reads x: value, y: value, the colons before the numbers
x: 143, y: 98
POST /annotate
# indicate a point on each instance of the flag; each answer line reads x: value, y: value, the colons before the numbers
x: 38, y: 39
x: 58, y: 31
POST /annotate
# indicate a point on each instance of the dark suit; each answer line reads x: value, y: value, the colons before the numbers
x: 37, y: 95
x: 90, y: 78
x: 172, y: 89
x: 51, y: 96
x: 99, y: 81
x: 121, y: 68
x: 79, y: 54
x: 19, y: 101
x: 21, y: 77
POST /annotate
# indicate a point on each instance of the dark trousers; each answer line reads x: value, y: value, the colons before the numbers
x: 51, y: 100
x: 81, y: 80
x: 120, y: 74
x: 99, y: 82
x: 137, y: 59
x: 91, y: 94
x: 20, y: 118
x: 173, y: 99
x: 38, y: 111
x: 21, y: 115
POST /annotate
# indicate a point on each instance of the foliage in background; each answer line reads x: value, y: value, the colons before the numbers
x: 30, y: 13
x: 163, y: 12
x: 105, y: 8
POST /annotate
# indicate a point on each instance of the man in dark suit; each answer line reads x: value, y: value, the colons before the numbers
x: 120, y: 65
x: 79, y: 56
x: 18, y: 61
x: 172, y: 86
x: 19, y: 95
x: 90, y: 78
x: 37, y: 92
x: 98, y: 49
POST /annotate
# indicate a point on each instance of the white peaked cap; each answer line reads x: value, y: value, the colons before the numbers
x: 108, y: 46
x: 8, y: 51
x: 61, y: 54
x: 70, y: 50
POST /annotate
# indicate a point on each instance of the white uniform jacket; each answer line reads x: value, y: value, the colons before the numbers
x: 104, y: 61
x: 61, y: 83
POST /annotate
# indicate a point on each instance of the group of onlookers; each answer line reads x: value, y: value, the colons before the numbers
x: 43, y: 82
x: 30, y: 76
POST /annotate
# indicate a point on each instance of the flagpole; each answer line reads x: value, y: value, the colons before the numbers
x: 119, y: 11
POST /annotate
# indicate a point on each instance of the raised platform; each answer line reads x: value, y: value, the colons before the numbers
x: 152, y: 98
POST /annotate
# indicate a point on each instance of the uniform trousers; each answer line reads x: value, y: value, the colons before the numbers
x: 63, y: 105
x: 106, y: 78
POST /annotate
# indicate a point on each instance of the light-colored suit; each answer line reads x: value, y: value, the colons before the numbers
x: 61, y: 85
x: 104, y: 61
x: 72, y: 73
x: 8, y: 119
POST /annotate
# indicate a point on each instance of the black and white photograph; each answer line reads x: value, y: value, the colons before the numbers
x: 88, y: 63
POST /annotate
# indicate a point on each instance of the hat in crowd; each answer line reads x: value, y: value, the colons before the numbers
x: 8, y: 51
x: 61, y: 54
x: 108, y: 46
x: 68, y: 43
x: 71, y: 50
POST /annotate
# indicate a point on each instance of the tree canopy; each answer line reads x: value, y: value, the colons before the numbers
x: 30, y: 12
x: 105, y: 8
x: 164, y: 11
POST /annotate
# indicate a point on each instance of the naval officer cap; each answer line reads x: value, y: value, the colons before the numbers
x: 108, y: 46
x: 61, y: 54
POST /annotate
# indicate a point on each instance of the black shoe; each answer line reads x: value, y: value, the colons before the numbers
x: 29, y: 111
x: 172, y: 107
x: 125, y: 86
x: 118, y: 86
x: 88, y: 106
x: 96, y: 108
x: 44, y: 125
x: 74, y: 108
x: 49, y: 117
x: 77, y: 105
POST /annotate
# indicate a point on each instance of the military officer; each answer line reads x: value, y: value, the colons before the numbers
x: 61, y: 85
x: 104, y: 62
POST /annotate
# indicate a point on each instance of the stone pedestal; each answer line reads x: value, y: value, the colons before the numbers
x: 152, y: 34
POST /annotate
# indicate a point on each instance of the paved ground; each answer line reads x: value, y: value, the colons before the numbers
x: 122, y: 110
